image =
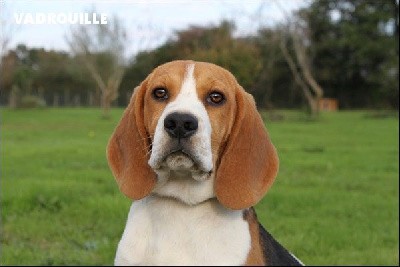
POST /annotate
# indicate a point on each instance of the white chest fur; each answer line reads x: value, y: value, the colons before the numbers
x: 161, y: 231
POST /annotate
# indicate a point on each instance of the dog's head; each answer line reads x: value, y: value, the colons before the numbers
x: 191, y: 132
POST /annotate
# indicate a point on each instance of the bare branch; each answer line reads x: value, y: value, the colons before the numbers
x: 95, y: 74
x: 293, y: 69
x: 101, y: 48
x: 298, y: 31
x: 305, y: 67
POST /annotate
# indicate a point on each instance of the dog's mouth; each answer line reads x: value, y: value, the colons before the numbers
x: 182, y: 163
x: 179, y: 160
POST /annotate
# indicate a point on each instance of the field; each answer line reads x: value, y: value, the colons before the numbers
x: 335, y: 200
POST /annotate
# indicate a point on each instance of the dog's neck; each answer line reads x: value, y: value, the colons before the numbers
x: 182, y: 186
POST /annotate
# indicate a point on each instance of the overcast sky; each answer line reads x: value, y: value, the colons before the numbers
x: 152, y: 21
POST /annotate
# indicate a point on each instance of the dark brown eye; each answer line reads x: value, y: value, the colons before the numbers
x: 160, y: 93
x: 215, y: 98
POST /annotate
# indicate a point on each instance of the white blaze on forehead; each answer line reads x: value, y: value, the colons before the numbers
x: 188, y: 89
x: 187, y: 101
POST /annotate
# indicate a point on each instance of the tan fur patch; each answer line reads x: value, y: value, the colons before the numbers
x: 256, y: 253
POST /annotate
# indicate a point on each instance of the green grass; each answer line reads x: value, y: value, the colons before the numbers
x: 335, y: 200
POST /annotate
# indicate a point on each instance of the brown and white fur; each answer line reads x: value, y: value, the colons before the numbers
x: 194, y: 194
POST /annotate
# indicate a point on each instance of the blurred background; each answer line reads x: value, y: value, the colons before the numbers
x: 324, y: 74
x: 288, y: 54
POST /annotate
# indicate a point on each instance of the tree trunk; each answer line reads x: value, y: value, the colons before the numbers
x: 14, y: 97
x: 307, y: 85
x: 313, y: 103
x: 301, y: 56
x: 105, y: 105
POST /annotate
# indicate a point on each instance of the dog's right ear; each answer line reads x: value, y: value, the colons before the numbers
x: 128, y: 150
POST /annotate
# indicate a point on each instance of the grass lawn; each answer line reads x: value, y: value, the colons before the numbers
x: 335, y: 200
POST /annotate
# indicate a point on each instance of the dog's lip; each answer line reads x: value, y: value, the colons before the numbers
x: 198, y: 164
x: 179, y: 150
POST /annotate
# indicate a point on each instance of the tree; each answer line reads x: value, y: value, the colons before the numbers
x: 214, y: 44
x: 355, y: 51
x: 48, y: 75
x: 297, y: 30
x: 102, y: 49
x: 61, y: 79
x: 217, y: 45
x: 268, y: 42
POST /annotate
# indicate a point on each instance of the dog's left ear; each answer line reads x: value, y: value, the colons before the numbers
x: 128, y: 150
x: 249, y: 161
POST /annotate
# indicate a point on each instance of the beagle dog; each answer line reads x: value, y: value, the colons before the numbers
x: 192, y: 152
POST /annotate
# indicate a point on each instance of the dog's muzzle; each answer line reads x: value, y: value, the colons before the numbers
x: 181, y: 145
x: 179, y: 153
x: 180, y: 127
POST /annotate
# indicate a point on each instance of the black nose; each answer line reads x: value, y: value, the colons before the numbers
x: 180, y: 125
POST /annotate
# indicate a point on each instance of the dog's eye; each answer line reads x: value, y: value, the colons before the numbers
x: 215, y: 98
x: 160, y: 93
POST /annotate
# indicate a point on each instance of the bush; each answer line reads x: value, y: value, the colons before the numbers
x: 31, y: 101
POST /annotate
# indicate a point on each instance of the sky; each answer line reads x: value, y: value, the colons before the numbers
x: 149, y: 23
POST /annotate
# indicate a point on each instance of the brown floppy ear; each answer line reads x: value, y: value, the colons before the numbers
x: 249, y: 162
x: 128, y: 150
